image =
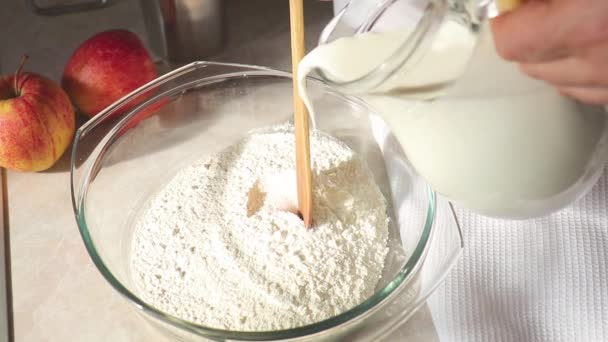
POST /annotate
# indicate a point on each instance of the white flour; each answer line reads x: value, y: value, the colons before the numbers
x: 200, y: 254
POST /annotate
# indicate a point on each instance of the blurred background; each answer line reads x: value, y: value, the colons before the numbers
x: 251, y: 32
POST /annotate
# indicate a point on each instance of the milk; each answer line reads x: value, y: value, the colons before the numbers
x: 499, y: 143
x: 348, y: 59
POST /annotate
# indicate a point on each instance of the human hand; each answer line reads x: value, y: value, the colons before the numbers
x: 562, y: 42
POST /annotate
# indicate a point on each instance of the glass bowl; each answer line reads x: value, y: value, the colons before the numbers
x: 128, y: 152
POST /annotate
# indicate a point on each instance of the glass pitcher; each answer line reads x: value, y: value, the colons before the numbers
x: 480, y: 132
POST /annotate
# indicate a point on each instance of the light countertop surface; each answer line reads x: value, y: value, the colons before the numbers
x: 58, y: 293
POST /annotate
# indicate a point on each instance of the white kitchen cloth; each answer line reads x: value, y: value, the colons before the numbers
x: 535, y: 280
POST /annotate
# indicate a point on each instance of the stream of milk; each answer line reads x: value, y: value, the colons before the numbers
x: 499, y: 143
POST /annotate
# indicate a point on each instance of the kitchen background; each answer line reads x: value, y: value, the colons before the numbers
x: 58, y: 294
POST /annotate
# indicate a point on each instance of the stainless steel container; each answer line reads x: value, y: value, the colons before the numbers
x: 177, y: 30
x: 183, y: 30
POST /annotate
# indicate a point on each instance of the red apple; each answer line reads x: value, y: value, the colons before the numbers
x: 106, y: 67
x: 37, y: 122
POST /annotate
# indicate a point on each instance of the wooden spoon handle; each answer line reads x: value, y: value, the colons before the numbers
x: 303, y: 173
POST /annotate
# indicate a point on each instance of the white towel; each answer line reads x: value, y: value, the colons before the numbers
x: 536, y: 280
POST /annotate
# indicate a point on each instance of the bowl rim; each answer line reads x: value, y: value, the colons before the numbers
x: 80, y: 189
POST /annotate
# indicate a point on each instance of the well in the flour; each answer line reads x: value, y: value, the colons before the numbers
x: 277, y: 191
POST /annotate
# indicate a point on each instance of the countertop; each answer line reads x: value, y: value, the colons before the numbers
x: 58, y: 293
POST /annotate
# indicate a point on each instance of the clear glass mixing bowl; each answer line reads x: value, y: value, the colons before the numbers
x: 128, y: 152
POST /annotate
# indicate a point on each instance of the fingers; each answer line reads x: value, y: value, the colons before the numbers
x: 597, y: 96
x: 533, y: 32
x: 569, y: 72
x: 575, y: 77
x: 562, y: 42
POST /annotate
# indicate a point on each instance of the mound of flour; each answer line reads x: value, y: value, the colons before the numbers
x: 202, y: 254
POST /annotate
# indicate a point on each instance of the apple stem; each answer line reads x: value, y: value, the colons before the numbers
x: 21, y: 64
